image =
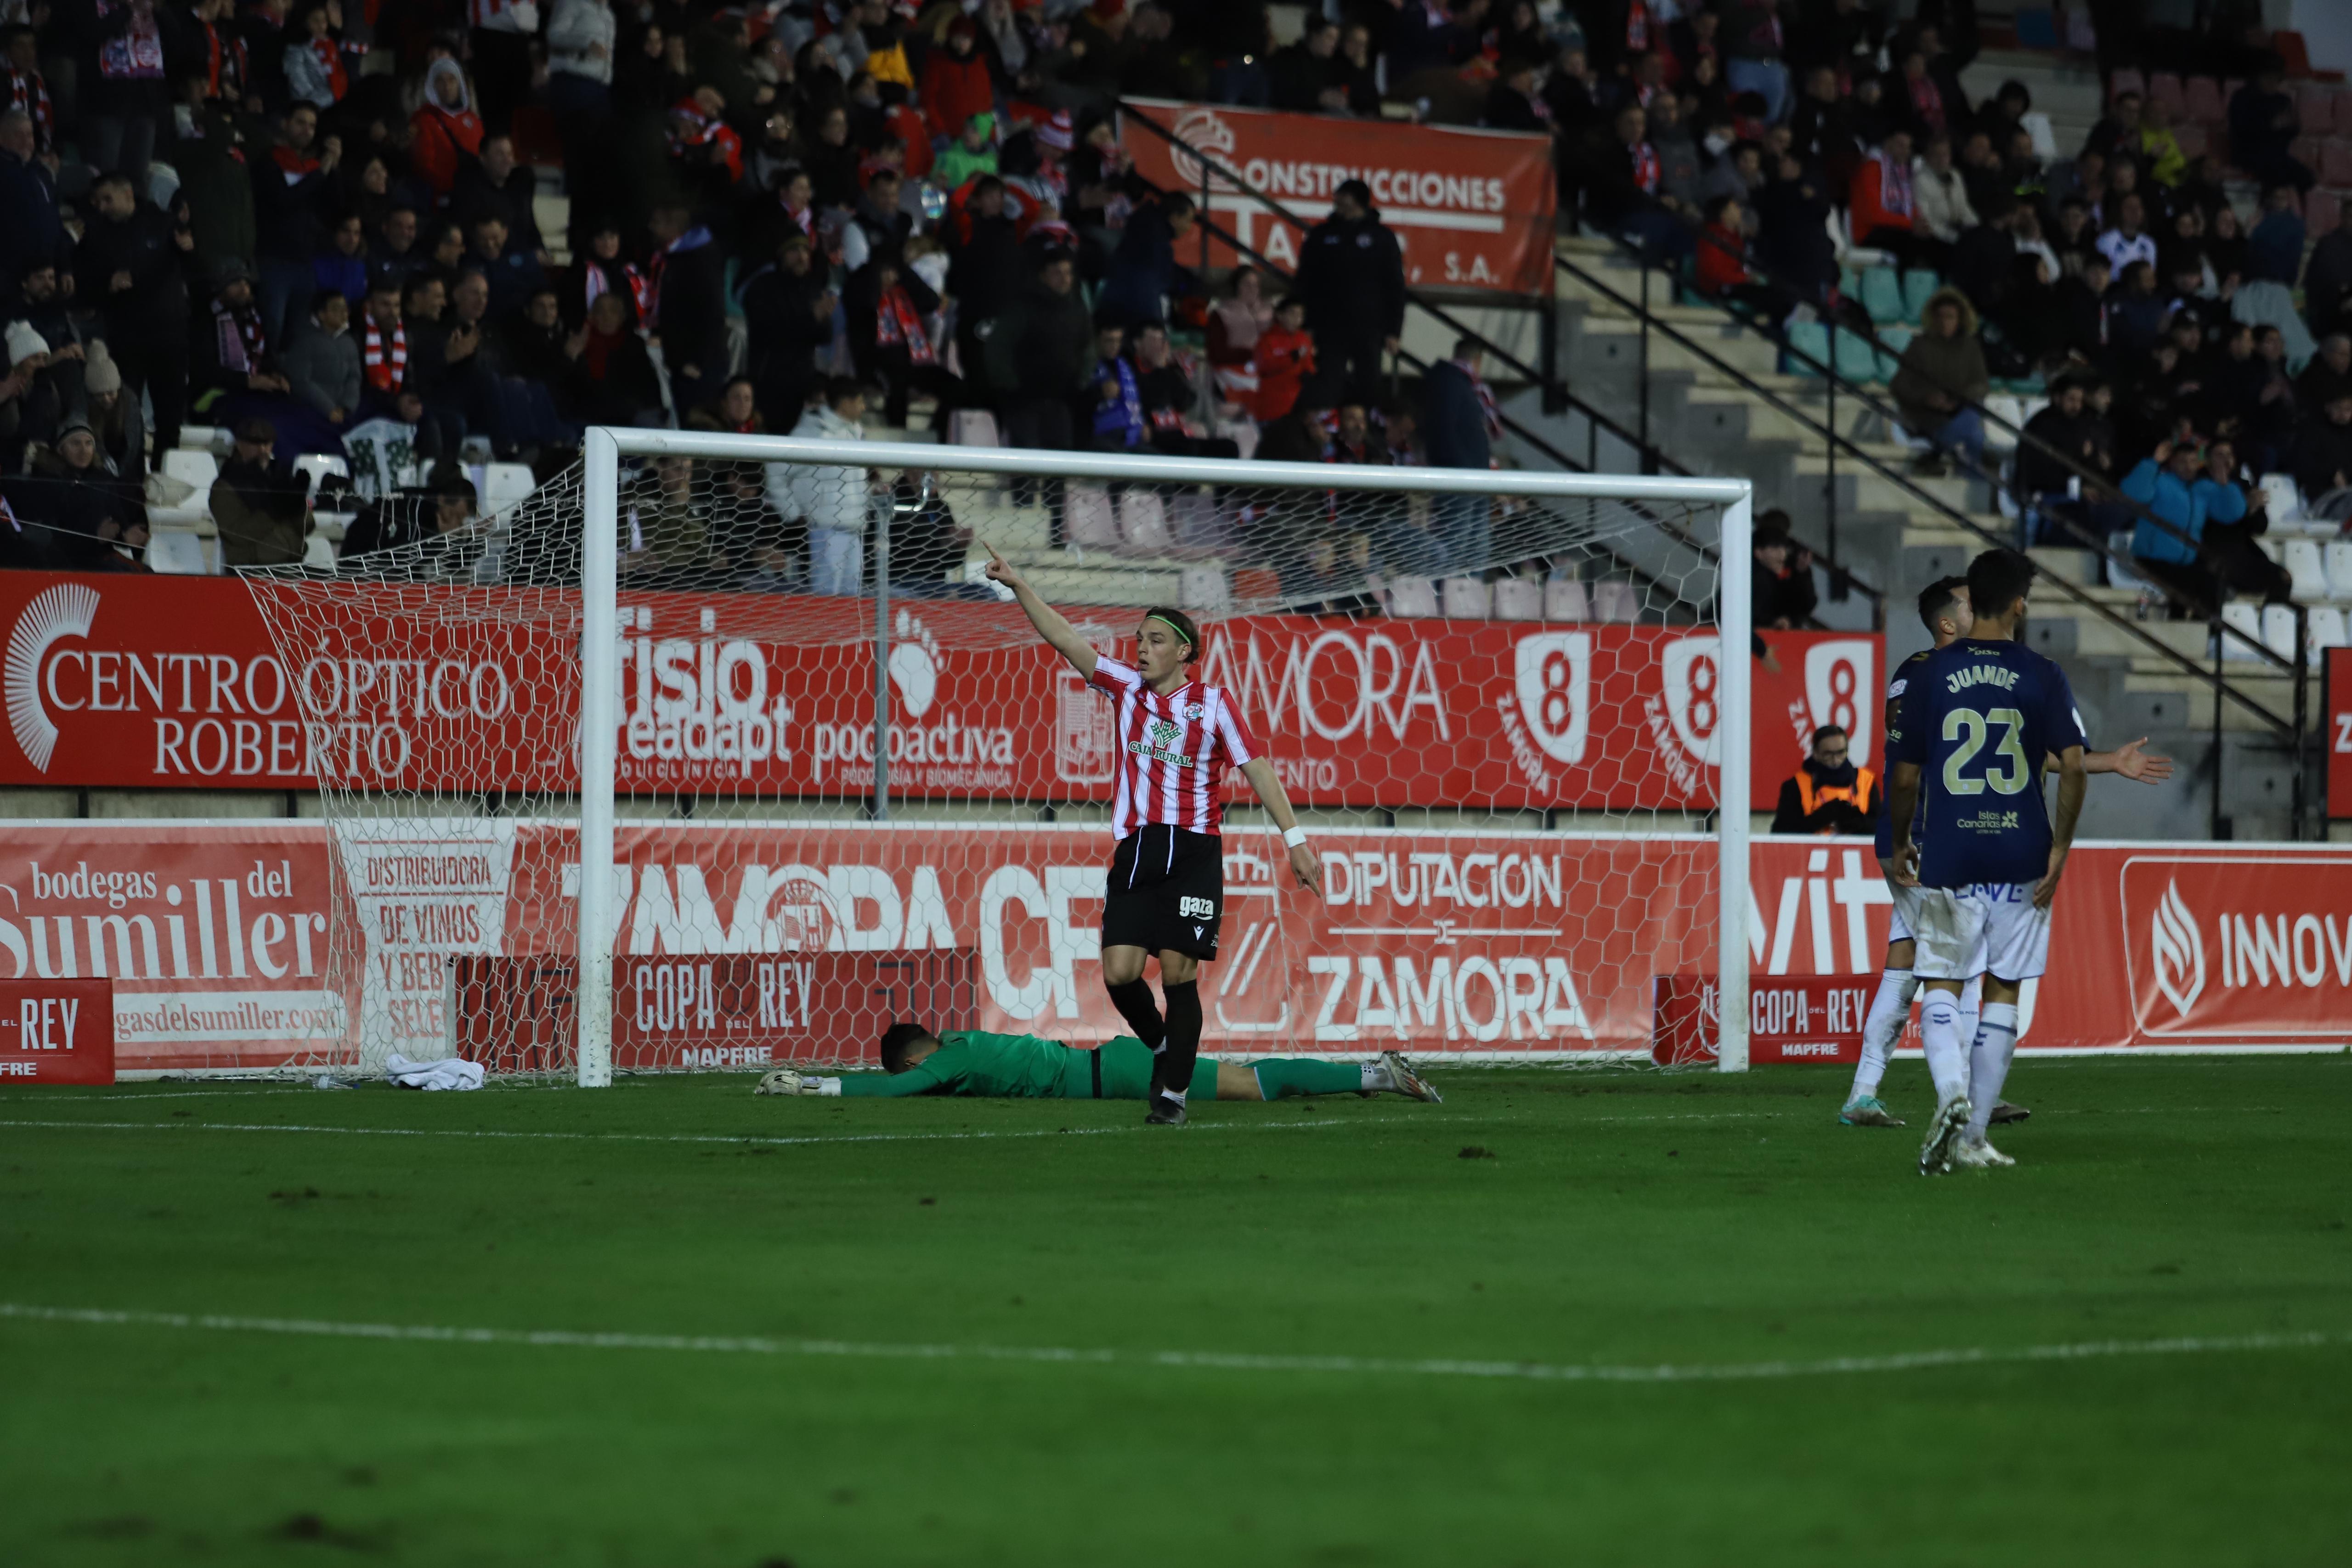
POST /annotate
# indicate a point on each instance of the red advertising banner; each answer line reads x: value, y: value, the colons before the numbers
x: 1472, y: 209
x: 2340, y: 732
x: 142, y: 682
x: 57, y: 1031
x: 231, y: 945
x: 1810, y: 1018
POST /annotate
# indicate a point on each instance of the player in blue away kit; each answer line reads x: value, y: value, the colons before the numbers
x: 1981, y: 716
x: 1944, y: 611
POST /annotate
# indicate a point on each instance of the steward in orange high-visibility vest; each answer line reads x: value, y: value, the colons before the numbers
x: 1829, y: 794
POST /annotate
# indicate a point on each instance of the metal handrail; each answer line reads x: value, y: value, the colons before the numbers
x: 1834, y: 381
x: 1953, y: 514
x: 1550, y: 383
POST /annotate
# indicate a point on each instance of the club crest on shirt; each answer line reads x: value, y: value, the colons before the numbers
x: 1195, y: 712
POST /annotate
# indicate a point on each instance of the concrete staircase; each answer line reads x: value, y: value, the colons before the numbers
x: 1705, y: 417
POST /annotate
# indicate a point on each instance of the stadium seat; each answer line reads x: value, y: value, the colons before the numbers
x: 1882, y: 294
x: 1087, y: 521
x: 1193, y: 519
x: 2003, y: 406
x: 506, y: 484
x: 2279, y: 497
x: 1617, y: 603
x: 2205, y: 103
x: 315, y: 467
x: 2124, y: 82
x: 2337, y: 555
x: 2293, y: 52
x: 1918, y: 285
x: 2334, y: 165
x: 2278, y: 630
x: 2045, y: 137
x: 2164, y: 88
x: 1143, y: 523
x: 1412, y: 599
x: 1896, y: 339
x: 1204, y: 587
x: 201, y: 437
x: 2305, y: 568
x: 973, y: 427
x: 2322, y: 212
x: 2246, y: 620
x: 2327, y: 631
x: 1466, y: 597
x: 319, y: 552
x: 176, y: 552
x: 1856, y: 359
x: 1808, y: 345
x: 1518, y: 599
x: 2314, y: 106
x: 2344, y: 112
x: 2119, y: 549
x: 1564, y: 599
x: 197, y: 470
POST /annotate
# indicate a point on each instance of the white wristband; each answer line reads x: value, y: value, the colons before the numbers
x: 1294, y: 837
x: 828, y: 1086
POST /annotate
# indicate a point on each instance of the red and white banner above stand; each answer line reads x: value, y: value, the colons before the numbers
x: 164, y: 683
x: 1472, y: 209
x: 230, y: 945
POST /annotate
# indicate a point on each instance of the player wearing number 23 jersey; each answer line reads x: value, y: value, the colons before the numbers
x: 1978, y: 720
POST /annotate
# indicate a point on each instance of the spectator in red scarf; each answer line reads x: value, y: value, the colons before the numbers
x: 614, y: 381
x: 314, y: 59
x: 888, y: 305
x: 447, y: 131
x: 1882, y: 202
x: 384, y: 350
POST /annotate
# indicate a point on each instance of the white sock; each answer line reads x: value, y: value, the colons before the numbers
x: 1948, y: 1054
x: 1889, y: 1011
x: 1376, y: 1076
x: 1988, y: 1060
x: 1971, y: 1009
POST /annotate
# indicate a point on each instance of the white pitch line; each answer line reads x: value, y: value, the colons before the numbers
x: 1224, y: 1360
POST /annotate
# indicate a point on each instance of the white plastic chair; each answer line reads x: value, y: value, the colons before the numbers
x: 506, y: 484
x: 2278, y: 630
x: 2246, y: 620
x: 973, y: 427
x: 1205, y: 588
x: 1192, y: 519
x: 199, y: 437
x: 2279, y: 497
x: 1087, y: 521
x: 2306, y: 568
x: 1466, y: 598
x: 1518, y: 599
x: 1143, y: 522
x: 1616, y: 603
x: 2327, y: 631
x: 2338, y: 554
x: 314, y: 466
x: 2002, y: 406
x: 194, y: 468
x: 319, y: 552
x: 1412, y: 599
x: 2119, y: 544
x: 175, y: 552
x: 1564, y: 599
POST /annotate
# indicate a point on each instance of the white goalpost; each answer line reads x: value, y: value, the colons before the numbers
x: 651, y: 800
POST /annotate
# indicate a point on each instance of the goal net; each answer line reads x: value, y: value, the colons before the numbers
x: 720, y: 751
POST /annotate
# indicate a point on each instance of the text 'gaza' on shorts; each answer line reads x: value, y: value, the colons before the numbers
x: 1165, y: 892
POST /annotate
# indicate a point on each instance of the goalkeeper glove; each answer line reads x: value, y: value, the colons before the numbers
x: 787, y: 1081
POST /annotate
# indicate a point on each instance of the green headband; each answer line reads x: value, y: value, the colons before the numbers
x: 1180, y: 632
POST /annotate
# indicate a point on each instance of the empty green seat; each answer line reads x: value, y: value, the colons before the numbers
x: 1811, y: 340
x: 1917, y: 285
x: 1856, y: 359
x: 1896, y: 339
x: 1882, y: 295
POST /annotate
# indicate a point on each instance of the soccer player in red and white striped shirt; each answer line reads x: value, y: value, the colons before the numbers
x: 1166, y: 893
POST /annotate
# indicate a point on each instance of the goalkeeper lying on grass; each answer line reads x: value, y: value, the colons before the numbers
x: 1022, y: 1066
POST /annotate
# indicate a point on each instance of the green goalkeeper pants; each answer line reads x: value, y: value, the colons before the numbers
x: 1126, y: 1064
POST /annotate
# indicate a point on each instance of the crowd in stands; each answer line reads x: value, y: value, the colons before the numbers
x: 2165, y: 299
x: 315, y: 225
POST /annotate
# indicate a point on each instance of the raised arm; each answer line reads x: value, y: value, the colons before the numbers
x: 1276, y: 801
x: 1058, y: 633
x: 2128, y: 761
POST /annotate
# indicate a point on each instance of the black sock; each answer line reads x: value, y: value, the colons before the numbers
x: 1183, y: 1036
x: 1134, y: 1003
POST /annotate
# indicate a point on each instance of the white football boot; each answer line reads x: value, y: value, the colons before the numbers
x: 1944, y: 1130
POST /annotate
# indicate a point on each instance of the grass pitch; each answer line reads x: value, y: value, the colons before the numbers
x: 1628, y: 1222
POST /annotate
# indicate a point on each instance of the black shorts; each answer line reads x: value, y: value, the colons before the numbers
x: 1167, y: 892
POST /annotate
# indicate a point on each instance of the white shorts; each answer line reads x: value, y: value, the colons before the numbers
x: 1904, y: 925
x: 1985, y: 928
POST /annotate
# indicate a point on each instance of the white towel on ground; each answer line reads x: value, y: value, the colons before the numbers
x: 451, y: 1073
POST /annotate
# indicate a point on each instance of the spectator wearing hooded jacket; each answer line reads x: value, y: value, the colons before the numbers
x: 1943, y: 377
x: 1351, y: 275
x: 835, y: 500
x: 447, y: 131
x: 690, y: 305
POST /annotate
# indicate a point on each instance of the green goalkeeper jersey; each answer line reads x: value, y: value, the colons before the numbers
x: 996, y: 1066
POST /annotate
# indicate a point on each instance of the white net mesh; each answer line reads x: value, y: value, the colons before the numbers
x: 1496, y: 713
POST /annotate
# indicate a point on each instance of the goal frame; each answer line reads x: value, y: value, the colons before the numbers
x: 604, y: 446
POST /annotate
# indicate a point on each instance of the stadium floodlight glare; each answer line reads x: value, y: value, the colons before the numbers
x: 550, y: 674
